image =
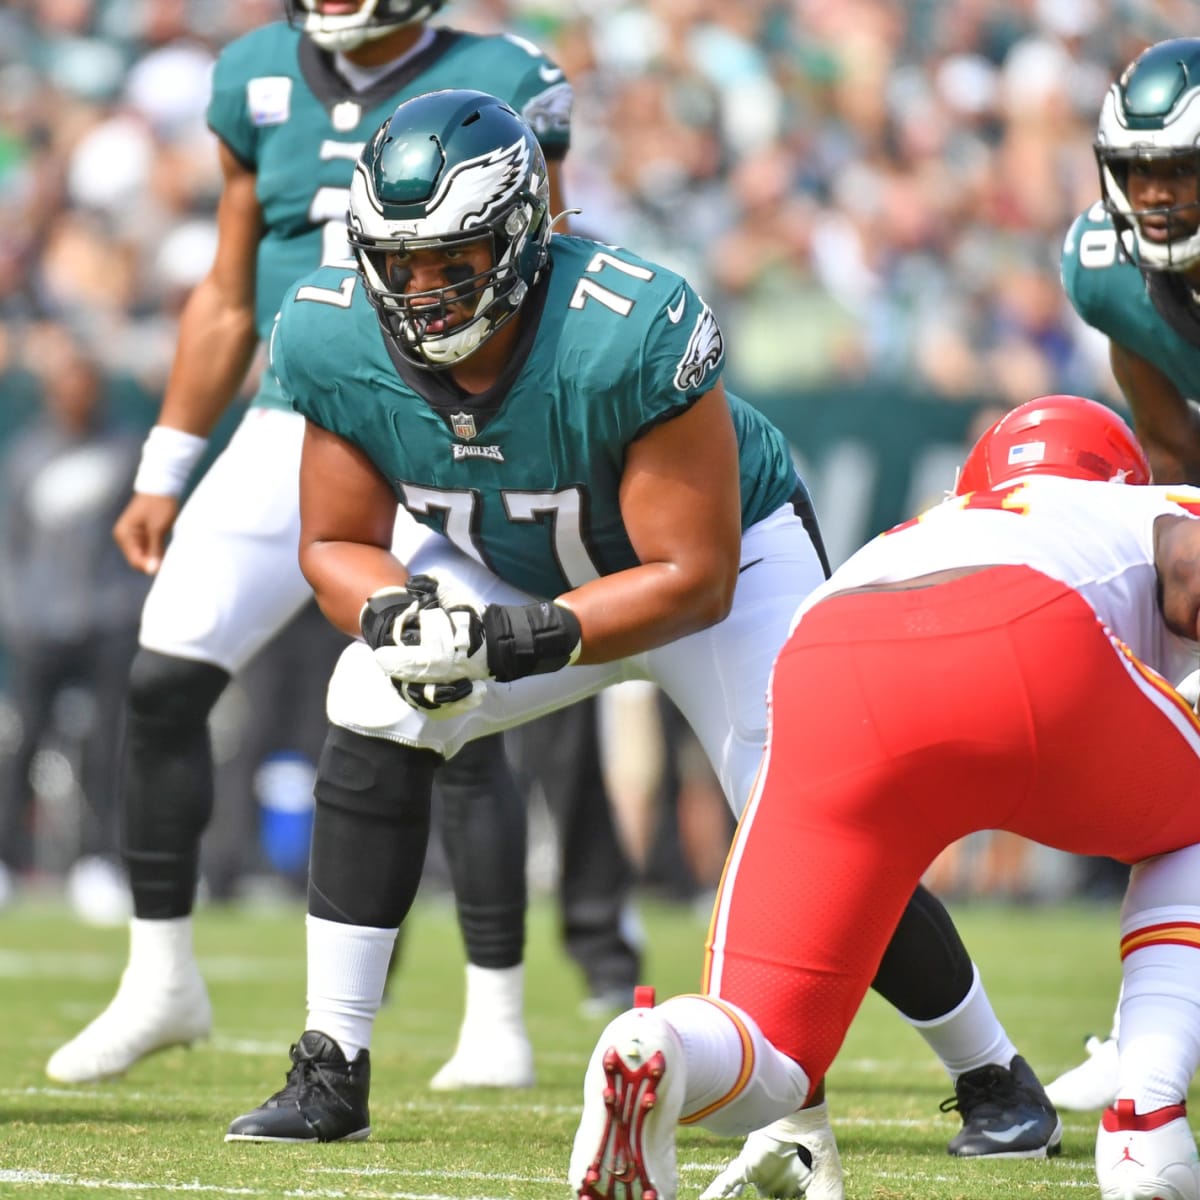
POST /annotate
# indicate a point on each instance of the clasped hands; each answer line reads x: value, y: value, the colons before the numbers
x: 439, y: 650
x: 431, y: 647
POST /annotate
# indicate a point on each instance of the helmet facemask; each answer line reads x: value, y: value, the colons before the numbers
x: 372, y: 20
x: 415, y: 319
x: 1180, y: 249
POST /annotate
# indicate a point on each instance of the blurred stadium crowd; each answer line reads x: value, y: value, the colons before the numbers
x: 867, y: 188
x: 866, y: 191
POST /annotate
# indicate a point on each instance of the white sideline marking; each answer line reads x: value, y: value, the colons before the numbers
x: 486, y: 1176
x: 44, y: 1179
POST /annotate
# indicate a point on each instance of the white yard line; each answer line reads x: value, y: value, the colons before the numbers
x: 46, y: 1179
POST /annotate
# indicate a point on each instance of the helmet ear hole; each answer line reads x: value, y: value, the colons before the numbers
x: 1068, y: 436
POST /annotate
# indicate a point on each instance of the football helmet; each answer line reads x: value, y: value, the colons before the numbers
x: 1152, y: 113
x: 345, y: 30
x: 449, y: 168
x: 1068, y: 436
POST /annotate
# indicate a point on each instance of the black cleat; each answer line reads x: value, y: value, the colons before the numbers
x: 1005, y: 1114
x: 325, y: 1099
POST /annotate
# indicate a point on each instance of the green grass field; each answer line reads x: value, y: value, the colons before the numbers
x: 1052, y: 974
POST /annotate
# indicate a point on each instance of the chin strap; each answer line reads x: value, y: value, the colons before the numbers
x: 562, y: 216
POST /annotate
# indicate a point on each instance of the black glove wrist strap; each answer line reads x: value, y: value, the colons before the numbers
x: 529, y: 639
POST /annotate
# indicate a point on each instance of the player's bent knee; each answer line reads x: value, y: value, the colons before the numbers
x: 372, y: 777
x: 173, y: 693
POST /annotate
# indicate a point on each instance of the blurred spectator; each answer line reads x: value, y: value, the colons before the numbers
x: 869, y: 176
x: 68, y: 607
x: 870, y: 193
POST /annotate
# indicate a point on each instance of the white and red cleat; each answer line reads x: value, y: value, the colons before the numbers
x: 1147, y: 1156
x: 632, y: 1096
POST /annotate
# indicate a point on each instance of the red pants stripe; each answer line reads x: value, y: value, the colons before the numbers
x: 904, y: 720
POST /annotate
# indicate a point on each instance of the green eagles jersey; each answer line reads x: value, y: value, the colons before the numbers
x: 1113, y: 296
x: 287, y: 115
x: 526, y: 478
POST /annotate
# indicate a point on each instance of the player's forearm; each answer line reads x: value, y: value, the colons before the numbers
x: 1172, y: 444
x: 1166, y: 422
x: 647, y: 606
x: 217, y: 341
x: 1166, y: 466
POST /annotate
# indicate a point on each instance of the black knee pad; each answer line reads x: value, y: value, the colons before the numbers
x: 166, y: 797
x: 372, y: 777
x: 173, y: 693
x: 370, y: 829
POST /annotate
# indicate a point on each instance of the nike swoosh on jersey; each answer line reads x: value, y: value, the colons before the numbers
x: 675, y: 311
x: 550, y: 74
x: 746, y: 566
x: 1010, y: 1135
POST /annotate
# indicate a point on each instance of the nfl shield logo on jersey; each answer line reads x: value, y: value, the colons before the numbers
x: 463, y: 424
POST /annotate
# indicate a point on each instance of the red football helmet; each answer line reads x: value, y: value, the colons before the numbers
x: 1068, y: 436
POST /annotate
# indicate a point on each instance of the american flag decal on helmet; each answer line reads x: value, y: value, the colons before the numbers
x: 463, y: 424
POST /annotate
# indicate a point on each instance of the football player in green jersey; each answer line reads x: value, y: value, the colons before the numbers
x: 292, y: 105
x: 1131, y: 263
x: 553, y: 409
x: 1131, y: 268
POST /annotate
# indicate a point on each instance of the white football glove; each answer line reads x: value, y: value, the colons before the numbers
x: 416, y: 640
x: 771, y: 1163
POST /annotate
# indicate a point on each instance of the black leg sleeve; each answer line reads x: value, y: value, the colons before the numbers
x: 484, y: 834
x: 370, y: 829
x: 926, y: 971
x: 167, y: 779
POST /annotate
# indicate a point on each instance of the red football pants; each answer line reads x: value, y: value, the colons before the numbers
x: 903, y: 720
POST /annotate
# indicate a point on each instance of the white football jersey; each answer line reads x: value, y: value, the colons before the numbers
x: 1097, y: 538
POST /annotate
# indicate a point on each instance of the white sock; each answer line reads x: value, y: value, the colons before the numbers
x: 495, y: 996
x: 160, y: 950
x: 347, y: 970
x: 1115, y: 1034
x: 969, y: 1036
x: 714, y: 1034
x: 1160, y: 1024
